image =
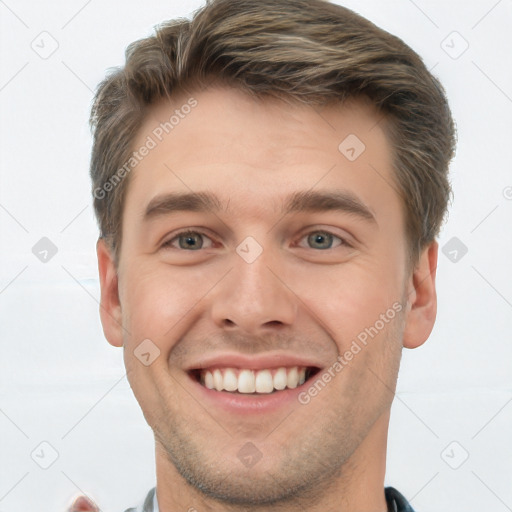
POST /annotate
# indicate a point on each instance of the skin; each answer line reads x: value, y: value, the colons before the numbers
x: 329, y: 454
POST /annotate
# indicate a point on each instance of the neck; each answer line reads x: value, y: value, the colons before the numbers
x: 357, y: 487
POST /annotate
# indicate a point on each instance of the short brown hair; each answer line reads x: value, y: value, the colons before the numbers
x: 307, y: 51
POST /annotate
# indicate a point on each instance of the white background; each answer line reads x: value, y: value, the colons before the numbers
x: 61, y: 382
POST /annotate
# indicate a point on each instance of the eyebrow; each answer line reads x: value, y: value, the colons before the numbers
x: 301, y: 201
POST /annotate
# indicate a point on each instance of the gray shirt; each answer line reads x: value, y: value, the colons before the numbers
x: 150, y: 503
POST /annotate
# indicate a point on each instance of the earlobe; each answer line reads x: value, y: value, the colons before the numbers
x: 110, y: 306
x: 422, y: 298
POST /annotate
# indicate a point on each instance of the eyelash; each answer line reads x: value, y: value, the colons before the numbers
x: 167, y: 244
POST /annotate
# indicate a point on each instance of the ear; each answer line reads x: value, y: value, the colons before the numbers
x: 110, y: 306
x: 422, y: 299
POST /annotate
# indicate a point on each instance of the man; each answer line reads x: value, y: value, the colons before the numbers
x: 269, y: 180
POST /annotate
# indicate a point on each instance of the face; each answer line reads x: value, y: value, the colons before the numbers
x: 263, y: 252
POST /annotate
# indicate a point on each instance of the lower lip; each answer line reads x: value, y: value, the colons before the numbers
x: 240, y: 403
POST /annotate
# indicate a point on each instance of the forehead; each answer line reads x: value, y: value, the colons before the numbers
x: 254, y: 152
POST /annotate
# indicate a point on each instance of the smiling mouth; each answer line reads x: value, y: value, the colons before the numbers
x: 253, y: 382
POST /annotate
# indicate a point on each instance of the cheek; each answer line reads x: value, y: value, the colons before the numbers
x: 157, y: 298
x: 352, y: 297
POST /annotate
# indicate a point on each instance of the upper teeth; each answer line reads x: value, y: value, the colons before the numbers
x: 250, y: 381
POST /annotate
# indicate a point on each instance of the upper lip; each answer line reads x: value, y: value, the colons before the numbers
x: 254, y: 362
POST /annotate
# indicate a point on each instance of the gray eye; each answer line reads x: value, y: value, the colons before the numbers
x: 321, y: 238
x: 190, y: 241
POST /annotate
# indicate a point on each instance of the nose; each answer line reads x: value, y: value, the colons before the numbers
x: 254, y: 296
